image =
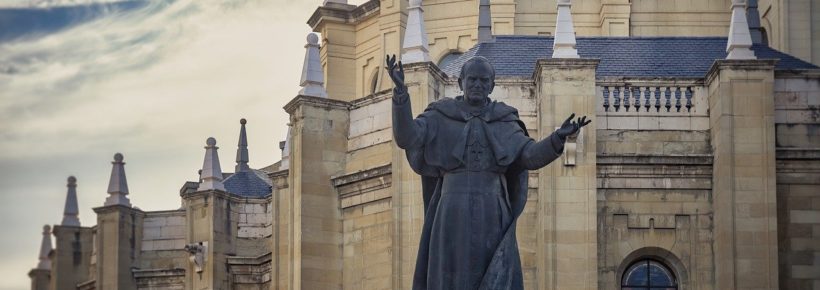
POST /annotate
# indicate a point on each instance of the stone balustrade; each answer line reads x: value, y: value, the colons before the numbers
x: 652, y: 105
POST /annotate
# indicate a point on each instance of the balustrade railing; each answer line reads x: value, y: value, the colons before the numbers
x: 652, y: 105
x: 636, y: 98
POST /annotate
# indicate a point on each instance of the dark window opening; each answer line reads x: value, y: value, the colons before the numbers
x: 374, y: 82
x: 648, y: 274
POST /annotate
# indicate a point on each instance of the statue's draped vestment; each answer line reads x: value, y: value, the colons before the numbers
x: 474, y: 166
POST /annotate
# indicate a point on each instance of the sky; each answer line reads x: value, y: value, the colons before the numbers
x: 153, y: 79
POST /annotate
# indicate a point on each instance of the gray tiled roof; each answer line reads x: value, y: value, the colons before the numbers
x: 688, y: 57
x: 248, y: 184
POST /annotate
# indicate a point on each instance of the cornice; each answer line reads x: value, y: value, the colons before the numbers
x: 739, y: 64
x: 326, y: 103
x: 343, y: 13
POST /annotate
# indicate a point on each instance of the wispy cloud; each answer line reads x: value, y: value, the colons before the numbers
x: 152, y: 82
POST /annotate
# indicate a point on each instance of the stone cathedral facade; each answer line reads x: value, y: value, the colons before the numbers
x: 701, y: 169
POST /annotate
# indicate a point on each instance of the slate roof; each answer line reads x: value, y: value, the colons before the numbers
x: 248, y: 184
x: 683, y: 57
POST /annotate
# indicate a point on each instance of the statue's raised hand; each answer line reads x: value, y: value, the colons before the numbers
x: 570, y: 127
x: 396, y: 72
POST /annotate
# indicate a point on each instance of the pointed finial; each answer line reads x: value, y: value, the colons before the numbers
x: 71, y: 211
x: 117, y: 184
x: 563, y: 45
x: 740, y: 40
x: 45, y: 248
x: 415, y: 47
x: 313, y: 79
x: 211, y: 171
x: 242, y: 151
x: 485, y: 26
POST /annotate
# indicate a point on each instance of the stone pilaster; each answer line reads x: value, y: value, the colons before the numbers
x: 212, y: 226
x: 72, y: 256
x: 319, y: 146
x: 615, y: 16
x: 281, y: 230
x: 119, y: 230
x: 425, y: 84
x: 741, y: 117
x: 567, y: 237
x: 337, y: 49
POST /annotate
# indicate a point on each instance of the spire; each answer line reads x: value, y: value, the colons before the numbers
x: 415, y: 36
x: 753, y: 17
x: 313, y: 79
x: 563, y: 45
x: 71, y: 211
x: 211, y: 172
x: 285, y: 164
x: 117, y: 184
x: 242, y: 151
x: 45, y: 248
x: 485, y: 26
x: 740, y: 40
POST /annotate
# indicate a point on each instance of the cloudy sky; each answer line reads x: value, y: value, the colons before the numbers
x: 81, y: 80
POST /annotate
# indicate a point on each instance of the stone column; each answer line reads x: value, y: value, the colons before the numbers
x: 615, y: 15
x: 741, y: 117
x: 567, y: 240
x: 318, y: 152
x: 425, y: 84
x: 41, y: 275
x: 338, y: 52
x: 72, y: 256
x: 119, y: 232
x: 40, y: 279
x: 212, y: 228
x: 282, y: 232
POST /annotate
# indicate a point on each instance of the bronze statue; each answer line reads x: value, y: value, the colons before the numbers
x: 473, y: 155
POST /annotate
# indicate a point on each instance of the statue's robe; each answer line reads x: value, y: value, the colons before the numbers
x: 473, y: 164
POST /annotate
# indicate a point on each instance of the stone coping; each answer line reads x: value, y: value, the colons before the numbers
x: 326, y: 103
x: 739, y: 64
x: 258, y: 260
x: 228, y: 195
x: 362, y: 175
x: 691, y: 159
x: 798, y: 153
x: 146, y: 273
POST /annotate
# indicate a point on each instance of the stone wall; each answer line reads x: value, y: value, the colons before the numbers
x: 654, y: 201
x: 163, y: 240
x: 797, y: 118
x: 368, y: 228
x: 163, y: 230
x: 253, y: 218
x: 370, y: 134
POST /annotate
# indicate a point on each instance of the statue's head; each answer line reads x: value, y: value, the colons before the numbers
x: 477, y: 80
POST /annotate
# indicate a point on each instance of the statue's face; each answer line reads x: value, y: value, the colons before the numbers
x: 477, y: 82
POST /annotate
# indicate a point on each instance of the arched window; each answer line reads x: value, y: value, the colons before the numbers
x: 450, y: 57
x: 648, y: 274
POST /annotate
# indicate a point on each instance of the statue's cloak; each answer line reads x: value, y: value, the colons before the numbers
x: 507, y: 136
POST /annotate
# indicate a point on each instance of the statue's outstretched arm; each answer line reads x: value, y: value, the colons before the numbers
x: 538, y: 154
x: 407, y: 133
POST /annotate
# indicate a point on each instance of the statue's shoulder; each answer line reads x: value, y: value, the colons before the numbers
x: 444, y: 106
x: 503, y: 112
